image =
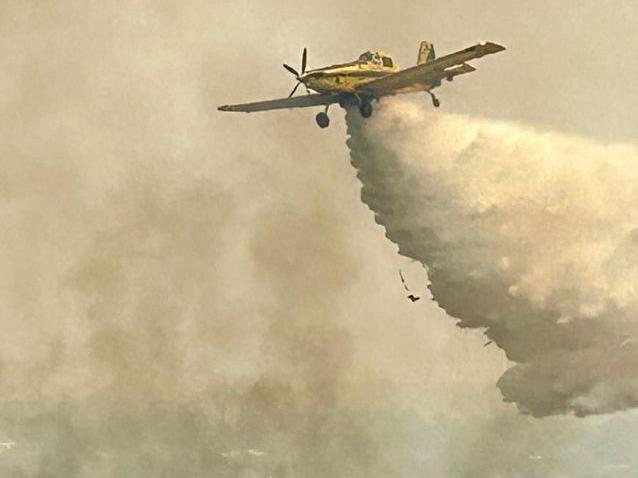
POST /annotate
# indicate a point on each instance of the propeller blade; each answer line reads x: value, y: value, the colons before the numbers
x: 304, y: 57
x: 291, y: 70
x: 294, y: 89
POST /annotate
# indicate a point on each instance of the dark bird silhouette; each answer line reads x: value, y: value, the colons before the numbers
x: 412, y: 297
x: 485, y: 345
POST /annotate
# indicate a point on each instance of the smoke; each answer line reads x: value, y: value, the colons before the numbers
x: 186, y: 293
x: 531, y: 235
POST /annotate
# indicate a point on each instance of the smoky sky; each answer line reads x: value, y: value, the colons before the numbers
x: 189, y: 292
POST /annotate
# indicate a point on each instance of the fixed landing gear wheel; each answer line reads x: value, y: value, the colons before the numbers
x: 435, y: 100
x: 322, y: 120
x: 366, y: 109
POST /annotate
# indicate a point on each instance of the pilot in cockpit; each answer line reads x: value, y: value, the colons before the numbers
x: 376, y: 58
x: 365, y: 57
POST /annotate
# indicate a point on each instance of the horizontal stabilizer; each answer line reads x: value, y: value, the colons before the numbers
x: 459, y: 70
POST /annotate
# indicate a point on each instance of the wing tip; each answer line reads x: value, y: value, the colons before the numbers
x: 491, y: 47
x: 224, y: 108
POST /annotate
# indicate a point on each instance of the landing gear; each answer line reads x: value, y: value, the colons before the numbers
x: 353, y: 99
x: 346, y: 100
x: 435, y: 100
x: 322, y: 120
x: 365, y: 108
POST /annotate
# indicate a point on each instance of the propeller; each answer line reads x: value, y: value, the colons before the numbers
x: 304, y: 58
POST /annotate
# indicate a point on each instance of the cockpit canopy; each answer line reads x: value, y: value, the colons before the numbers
x: 377, y: 58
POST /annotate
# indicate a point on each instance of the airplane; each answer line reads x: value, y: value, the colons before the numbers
x: 372, y: 76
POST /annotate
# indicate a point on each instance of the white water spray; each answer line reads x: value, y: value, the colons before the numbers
x: 531, y: 235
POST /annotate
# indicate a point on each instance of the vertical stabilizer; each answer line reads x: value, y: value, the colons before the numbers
x: 426, y: 53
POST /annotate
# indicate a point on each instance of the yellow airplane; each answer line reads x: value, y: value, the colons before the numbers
x: 369, y: 78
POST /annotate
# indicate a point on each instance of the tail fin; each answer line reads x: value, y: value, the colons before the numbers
x: 426, y: 53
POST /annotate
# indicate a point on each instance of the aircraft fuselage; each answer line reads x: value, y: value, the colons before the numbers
x: 347, y: 77
x: 343, y: 78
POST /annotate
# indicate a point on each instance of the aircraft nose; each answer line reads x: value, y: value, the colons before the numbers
x: 304, y: 79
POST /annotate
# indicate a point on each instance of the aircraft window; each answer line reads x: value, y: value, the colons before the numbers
x: 366, y: 56
x: 387, y: 61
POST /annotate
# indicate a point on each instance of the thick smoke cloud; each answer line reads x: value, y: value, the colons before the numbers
x: 531, y: 235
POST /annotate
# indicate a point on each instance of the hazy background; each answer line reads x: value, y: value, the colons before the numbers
x: 192, y: 293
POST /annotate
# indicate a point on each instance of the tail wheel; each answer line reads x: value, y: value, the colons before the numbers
x: 322, y: 120
x: 365, y: 109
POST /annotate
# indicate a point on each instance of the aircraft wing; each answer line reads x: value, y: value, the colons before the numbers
x: 433, y: 71
x: 283, y: 103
